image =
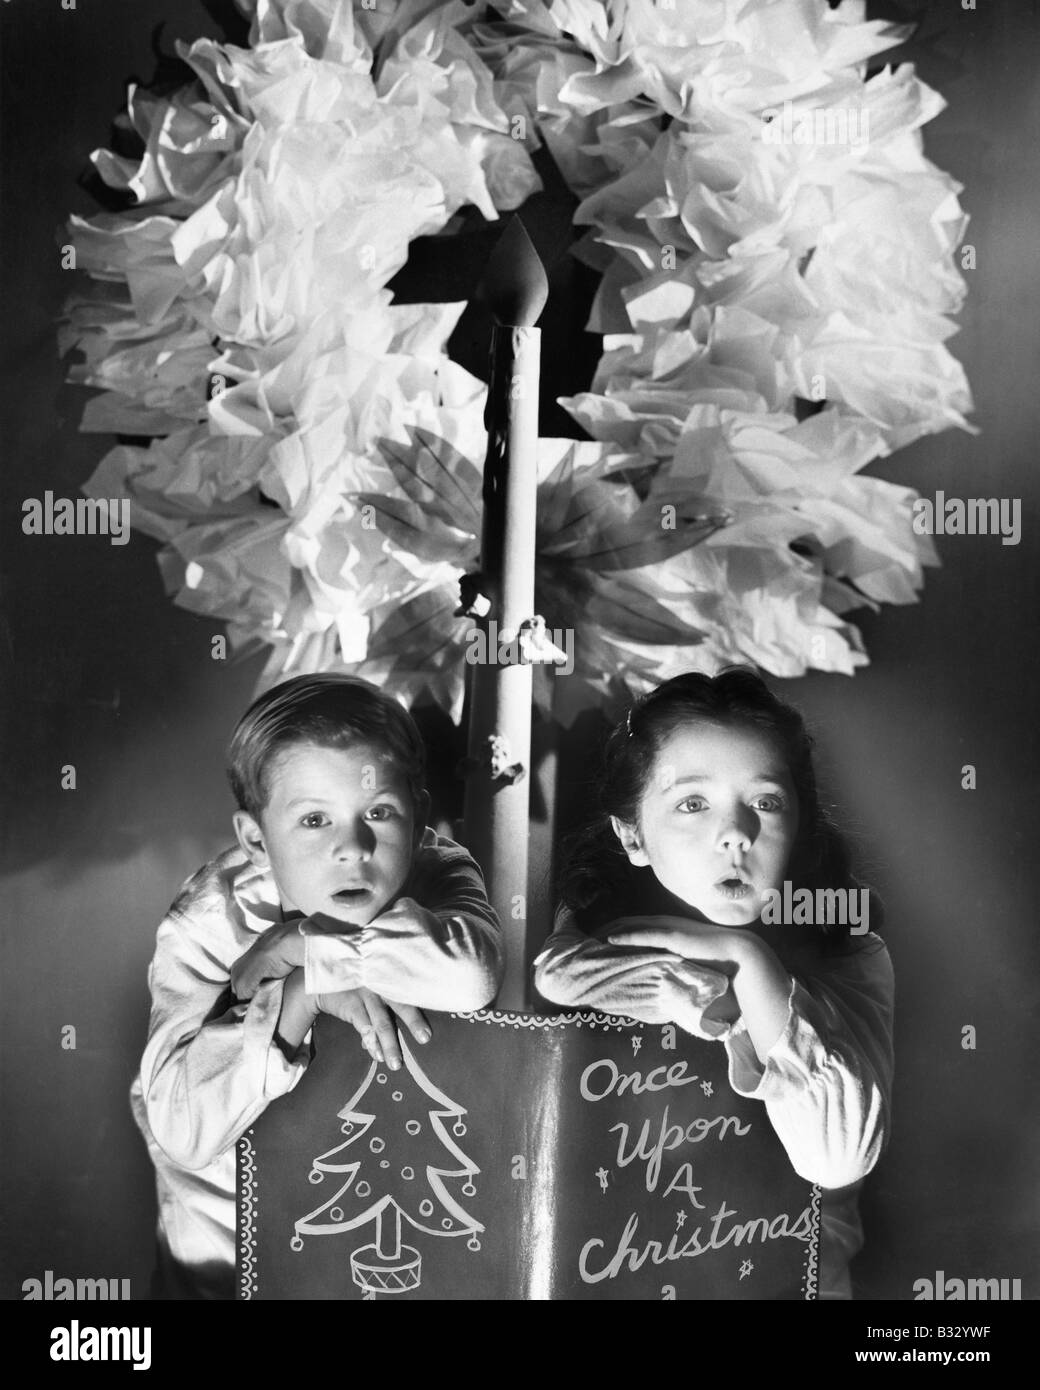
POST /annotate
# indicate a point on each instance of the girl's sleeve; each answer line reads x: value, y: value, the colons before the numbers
x: 438, y: 948
x: 826, y: 1082
x: 578, y: 971
x: 211, y: 1064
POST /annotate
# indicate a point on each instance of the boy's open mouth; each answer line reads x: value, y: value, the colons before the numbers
x: 352, y: 895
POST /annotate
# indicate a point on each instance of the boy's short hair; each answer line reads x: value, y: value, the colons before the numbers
x: 330, y: 710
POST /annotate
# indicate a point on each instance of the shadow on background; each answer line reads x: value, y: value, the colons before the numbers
x: 104, y: 673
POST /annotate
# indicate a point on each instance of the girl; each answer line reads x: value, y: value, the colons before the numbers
x: 710, y: 820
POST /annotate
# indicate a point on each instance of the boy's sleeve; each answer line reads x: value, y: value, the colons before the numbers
x: 440, y: 947
x: 827, y: 1081
x: 210, y: 1065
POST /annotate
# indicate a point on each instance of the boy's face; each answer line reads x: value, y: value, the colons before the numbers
x: 338, y: 831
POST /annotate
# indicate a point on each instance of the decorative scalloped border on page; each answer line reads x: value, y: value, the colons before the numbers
x: 247, y: 1168
x: 608, y: 1022
x: 812, y: 1262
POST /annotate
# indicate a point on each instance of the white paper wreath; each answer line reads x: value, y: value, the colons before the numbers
x: 767, y: 228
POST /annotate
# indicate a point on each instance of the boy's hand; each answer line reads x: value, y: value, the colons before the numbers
x: 272, y: 955
x: 373, y: 1019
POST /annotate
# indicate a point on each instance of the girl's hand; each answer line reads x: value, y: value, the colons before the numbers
x: 760, y: 984
x: 689, y: 994
x: 682, y: 936
x: 373, y: 1019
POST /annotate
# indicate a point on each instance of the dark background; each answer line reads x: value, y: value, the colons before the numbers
x: 102, y: 671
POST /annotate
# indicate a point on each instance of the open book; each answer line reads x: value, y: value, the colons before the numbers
x: 522, y: 1156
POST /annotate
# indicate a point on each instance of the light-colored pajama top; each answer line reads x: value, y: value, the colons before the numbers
x: 212, y: 1065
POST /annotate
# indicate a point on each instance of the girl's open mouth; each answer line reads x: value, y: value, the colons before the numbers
x: 733, y: 887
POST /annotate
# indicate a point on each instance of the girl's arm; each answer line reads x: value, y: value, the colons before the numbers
x: 762, y: 988
x: 827, y: 1081
x: 438, y: 948
x: 652, y: 986
x: 817, y: 1050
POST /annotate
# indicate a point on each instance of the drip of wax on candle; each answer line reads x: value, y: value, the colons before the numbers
x: 514, y: 286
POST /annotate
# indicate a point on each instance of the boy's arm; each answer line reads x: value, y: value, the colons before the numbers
x: 211, y: 1063
x: 440, y: 948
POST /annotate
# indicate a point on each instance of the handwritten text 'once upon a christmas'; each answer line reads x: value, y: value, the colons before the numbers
x: 603, y: 1078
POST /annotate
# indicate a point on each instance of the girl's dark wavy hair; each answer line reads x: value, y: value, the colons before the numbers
x: 598, y: 882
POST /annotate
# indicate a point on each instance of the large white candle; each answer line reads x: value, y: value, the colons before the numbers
x: 515, y: 289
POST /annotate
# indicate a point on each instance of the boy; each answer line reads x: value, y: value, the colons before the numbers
x: 336, y: 900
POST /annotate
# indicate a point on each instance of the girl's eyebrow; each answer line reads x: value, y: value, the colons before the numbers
x: 777, y: 779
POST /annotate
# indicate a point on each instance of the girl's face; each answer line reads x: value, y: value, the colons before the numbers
x: 717, y: 821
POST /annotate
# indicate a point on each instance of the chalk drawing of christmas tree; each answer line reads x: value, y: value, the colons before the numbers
x: 388, y: 1143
